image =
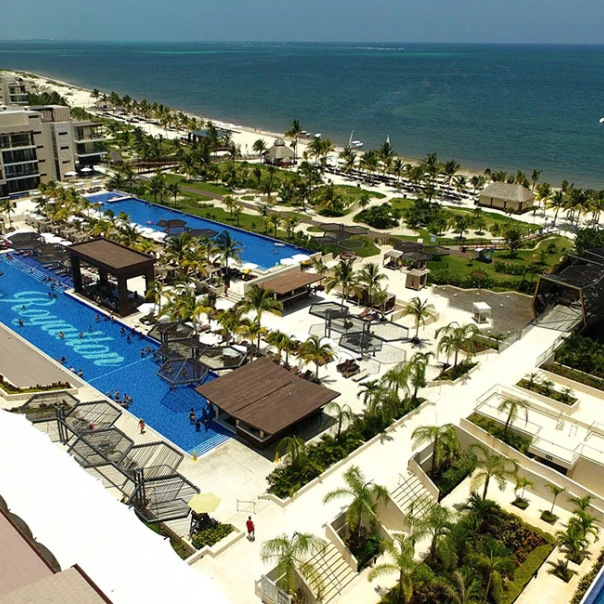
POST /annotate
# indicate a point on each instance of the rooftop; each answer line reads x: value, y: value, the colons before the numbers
x: 114, y: 256
x: 508, y: 191
x: 266, y: 396
x: 283, y: 284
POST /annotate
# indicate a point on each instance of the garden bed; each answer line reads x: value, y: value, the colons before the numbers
x: 212, y: 535
x: 513, y: 439
x: 181, y: 547
x: 575, y: 375
x: 452, y: 473
x: 284, y: 482
x: 546, y: 389
x: 454, y: 373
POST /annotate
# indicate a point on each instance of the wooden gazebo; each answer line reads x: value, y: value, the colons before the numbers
x: 111, y: 258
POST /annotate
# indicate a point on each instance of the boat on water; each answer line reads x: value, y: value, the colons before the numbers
x: 354, y: 144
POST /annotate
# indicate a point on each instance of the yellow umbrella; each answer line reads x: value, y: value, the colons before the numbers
x: 204, y: 503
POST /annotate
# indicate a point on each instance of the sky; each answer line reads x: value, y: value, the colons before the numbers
x: 477, y: 21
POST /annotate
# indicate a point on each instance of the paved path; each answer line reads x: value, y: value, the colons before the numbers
x: 26, y: 366
x: 382, y: 462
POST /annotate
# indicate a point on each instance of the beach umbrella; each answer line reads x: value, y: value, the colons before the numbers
x: 204, y: 503
x: 250, y: 266
x: 147, y: 308
x: 287, y: 261
x: 301, y: 257
x: 86, y: 170
x: 71, y: 173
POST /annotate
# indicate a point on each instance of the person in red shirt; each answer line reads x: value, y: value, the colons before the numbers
x: 251, y: 529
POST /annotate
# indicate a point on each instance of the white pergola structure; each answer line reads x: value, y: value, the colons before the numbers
x: 481, y: 312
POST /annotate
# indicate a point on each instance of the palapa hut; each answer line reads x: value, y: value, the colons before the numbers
x: 506, y: 196
x: 279, y: 154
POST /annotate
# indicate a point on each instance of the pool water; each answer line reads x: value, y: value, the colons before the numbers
x: 108, y: 360
x: 261, y: 250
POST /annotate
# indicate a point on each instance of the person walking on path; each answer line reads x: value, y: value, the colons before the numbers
x: 251, y: 529
x: 141, y: 425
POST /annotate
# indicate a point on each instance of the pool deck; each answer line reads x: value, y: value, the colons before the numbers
x: 26, y: 366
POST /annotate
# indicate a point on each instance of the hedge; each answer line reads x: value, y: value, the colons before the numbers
x: 212, y: 536
x: 588, y: 579
x: 524, y: 573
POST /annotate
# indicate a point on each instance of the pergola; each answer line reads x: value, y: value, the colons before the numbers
x: 291, y: 286
x: 263, y: 400
x: 112, y: 258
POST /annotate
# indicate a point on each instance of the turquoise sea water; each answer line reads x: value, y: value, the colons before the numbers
x: 502, y: 107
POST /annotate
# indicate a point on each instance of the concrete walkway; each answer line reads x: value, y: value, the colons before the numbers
x: 382, y: 462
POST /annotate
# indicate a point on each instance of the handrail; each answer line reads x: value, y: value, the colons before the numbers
x: 253, y: 503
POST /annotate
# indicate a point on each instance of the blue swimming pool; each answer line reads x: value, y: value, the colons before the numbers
x: 596, y: 594
x: 103, y: 353
x: 261, y: 250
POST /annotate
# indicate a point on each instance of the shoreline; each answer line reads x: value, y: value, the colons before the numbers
x: 243, y: 135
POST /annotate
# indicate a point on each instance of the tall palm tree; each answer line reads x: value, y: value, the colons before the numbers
x: 155, y: 292
x: 365, y: 497
x: 173, y: 189
x: 421, y: 311
x: 229, y: 249
x: 371, y: 277
x: 411, y: 573
x: 313, y: 351
x: 436, y: 523
x: 573, y: 544
x: 293, y: 554
x: 294, y: 132
x: 342, y: 414
x: 491, y: 466
x: 555, y: 490
x: 493, y: 559
x: 295, y: 448
x: 6, y: 207
x: 157, y: 186
x: 455, y: 337
x: 556, y: 202
x: 280, y: 340
x: 260, y: 300
x: 259, y: 146
x: 344, y: 276
x: 397, y: 377
x: 418, y: 364
x: 443, y: 439
x: 513, y: 407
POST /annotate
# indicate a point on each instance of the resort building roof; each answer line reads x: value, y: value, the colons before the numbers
x: 266, y: 396
x: 507, y: 191
x: 284, y: 284
x: 112, y: 256
x: 279, y: 151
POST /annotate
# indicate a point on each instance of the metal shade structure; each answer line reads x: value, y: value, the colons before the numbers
x: 179, y: 371
x: 209, y: 233
x: 204, y: 503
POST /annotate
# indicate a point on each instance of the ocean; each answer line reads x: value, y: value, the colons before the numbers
x: 503, y: 107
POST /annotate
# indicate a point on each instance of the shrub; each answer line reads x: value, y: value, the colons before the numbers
x: 577, y: 376
x: 550, y: 392
x: 525, y: 572
x: 454, y: 373
x: 364, y: 547
x: 582, y: 354
x: 514, y: 439
x: 212, y: 535
x: 521, y: 503
x: 508, y: 268
x: 379, y: 217
x: 451, y: 474
x: 548, y: 517
x: 588, y: 579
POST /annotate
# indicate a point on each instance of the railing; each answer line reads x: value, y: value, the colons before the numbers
x: 241, y: 503
x: 551, y: 350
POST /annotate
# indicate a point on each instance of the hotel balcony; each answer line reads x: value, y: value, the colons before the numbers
x: 88, y: 132
x: 18, y: 156
x: 18, y: 171
x: 17, y: 141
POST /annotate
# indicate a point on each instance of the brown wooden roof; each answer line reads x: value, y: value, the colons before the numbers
x: 266, y: 396
x: 110, y: 255
x: 284, y: 284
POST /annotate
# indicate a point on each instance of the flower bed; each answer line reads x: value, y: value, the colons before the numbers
x: 452, y: 473
x: 575, y: 375
x: 212, y: 535
x: 11, y: 389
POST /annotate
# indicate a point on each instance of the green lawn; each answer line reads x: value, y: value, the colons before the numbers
x: 453, y: 269
x: 207, y: 187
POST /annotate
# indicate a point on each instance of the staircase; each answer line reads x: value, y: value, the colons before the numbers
x: 334, y: 574
x: 411, y: 496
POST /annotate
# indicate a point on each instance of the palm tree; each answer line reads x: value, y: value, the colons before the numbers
x: 173, y: 189
x: 556, y: 202
x: 7, y: 207
x: 228, y: 249
x: 371, y: 277
x: 418, y: 364
x: 513, y: 407
x: 513, y: 239
x: 479, y: 511
x: 397, y: 377
x: 411, y: 573
x: 291, y: 555
x: 443, y: 439
x: 294, y: 133
x: 573, y: 544
x: 436, y: 522
x: 157, y: 186
x: 522, y: 483
x: 490, y: 465
x: 259, y: 146
x: 555, y: 490
x: 493, y: 559
x: 343, y: 275
x: 585, y: 523
x: 365, y: 497
x: 342, y: 414
x: 295, y: 448
x: 464, y: 588
x: 421, y: 311
x: 260, y: 300
x: 313, y: 351
x: 455, y: 337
